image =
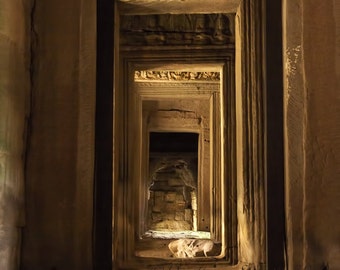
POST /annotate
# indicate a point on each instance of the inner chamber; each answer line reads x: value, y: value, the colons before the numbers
x: 173, y: 184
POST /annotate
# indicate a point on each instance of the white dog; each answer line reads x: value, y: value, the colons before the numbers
x: 182, y: 248
x: 187, y: 248
x: 205, y: 245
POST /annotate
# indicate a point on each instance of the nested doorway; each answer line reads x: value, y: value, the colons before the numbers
x: 175, y: 153
x: 250, y: 104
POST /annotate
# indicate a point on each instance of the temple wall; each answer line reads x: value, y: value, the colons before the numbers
x: 14, y: 93
x: 59, y: 177
x: 312, y: 133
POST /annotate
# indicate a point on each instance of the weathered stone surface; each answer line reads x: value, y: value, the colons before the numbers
x: 322, y: 134
x: 14, y: 93
x: 170, y: 196
x: 10, y: 238
x: 195, y: 6
x: 188, y: 215
x: 312, y: 108
x: 179, y: 216
x: 176, y: 29
x: 171, y: 207
x: 59, y: 184
x: 156, y: 217
x: 172, y: 225
x: 175, y: 182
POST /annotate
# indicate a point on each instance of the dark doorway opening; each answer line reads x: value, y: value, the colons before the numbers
x: 173, y: 142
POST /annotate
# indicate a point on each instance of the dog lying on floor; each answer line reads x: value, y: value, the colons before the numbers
x: 182, y: 248
x: 187, y: 248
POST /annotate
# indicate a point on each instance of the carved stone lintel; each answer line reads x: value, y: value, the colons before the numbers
x: 160, y: 75
x: 176, y: 29
x: 168, y: 87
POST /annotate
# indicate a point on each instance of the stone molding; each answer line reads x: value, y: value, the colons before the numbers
x: 176, y: 29
x: 172, y: 75
x: 210, y: 94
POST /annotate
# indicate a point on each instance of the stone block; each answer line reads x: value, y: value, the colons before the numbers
x: 164, y: 176
x: 157, y: 208
x: 171, y: 207
x: 179, y: 216
x: 159, y: 198
x: 9, y: 248
x: 170, y: 197
x: 188, y: 215
x: 175, y: 182
x: 157, y: 216
x: 169, y: 216
x: 180, y: 205
x: 159, y: 194
x: 179, y: 197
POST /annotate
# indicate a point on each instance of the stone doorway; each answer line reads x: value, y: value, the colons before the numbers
x: 175, y: 121
x: 172, y: 192
x: 250, y: 27
x: 177, y: 88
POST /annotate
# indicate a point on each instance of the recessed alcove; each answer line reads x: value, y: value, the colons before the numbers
x: 172, y: 189
x: 175, y: 154
x: 177, y: 114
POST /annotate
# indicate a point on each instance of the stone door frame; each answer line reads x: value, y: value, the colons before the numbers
x: 259, y: 90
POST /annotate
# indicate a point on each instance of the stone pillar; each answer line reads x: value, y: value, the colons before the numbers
x: 312, y: 116
x: 294, y: 106
x: 14, y: 90
x: 60, y: 158
x: 321, y: 24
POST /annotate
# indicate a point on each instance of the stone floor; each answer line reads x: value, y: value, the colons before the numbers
x: 154, y: 244
x: 176, y: 234
x: 158, y: 248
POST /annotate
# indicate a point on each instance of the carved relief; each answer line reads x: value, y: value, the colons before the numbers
x: 176, y: 29
x: 146, y: 75
x: 187, y: 86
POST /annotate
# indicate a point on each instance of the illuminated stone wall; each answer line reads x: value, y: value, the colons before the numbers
x: 312, y: 140
x: 170, y: 204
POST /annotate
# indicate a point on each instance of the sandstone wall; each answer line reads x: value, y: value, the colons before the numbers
x: 14, y: 93
x: 58, y: 226
x: 312, y: 134
x: 59, y: 184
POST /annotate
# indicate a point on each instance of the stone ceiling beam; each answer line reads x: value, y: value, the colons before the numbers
x: 177, y: 6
